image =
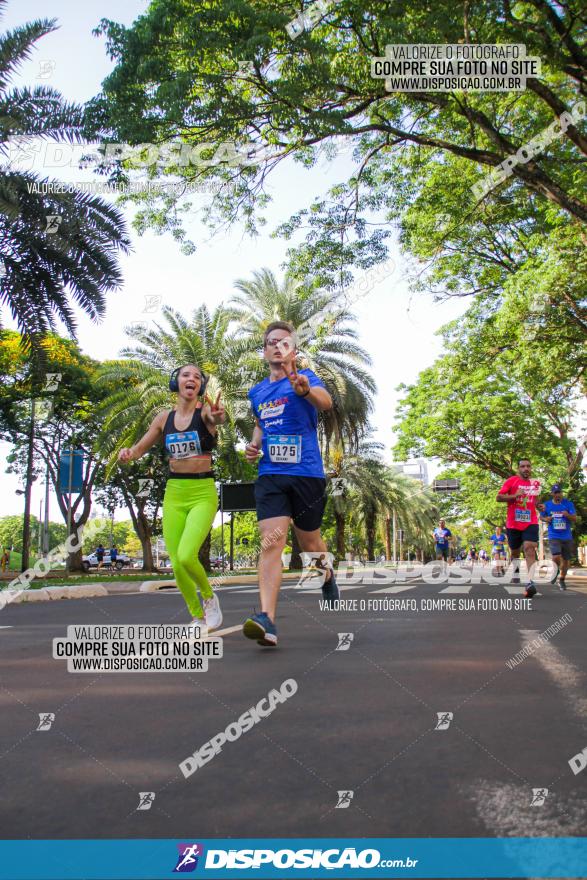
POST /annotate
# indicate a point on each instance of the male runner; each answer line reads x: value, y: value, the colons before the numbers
x: 519, y: 493
x: 498, y: 549
x: 100, y: 555
x: 559, y: 514
x: 291, y: 485
x: 441, y: 537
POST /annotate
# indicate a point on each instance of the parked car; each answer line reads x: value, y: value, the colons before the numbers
x: 91, y: 561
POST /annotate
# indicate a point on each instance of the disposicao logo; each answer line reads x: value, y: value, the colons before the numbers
x: 187, y: 860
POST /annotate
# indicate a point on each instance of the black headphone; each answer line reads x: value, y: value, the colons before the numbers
x: 174, y: 384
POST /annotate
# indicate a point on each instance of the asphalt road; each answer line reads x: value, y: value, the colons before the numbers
x: 363, y: 720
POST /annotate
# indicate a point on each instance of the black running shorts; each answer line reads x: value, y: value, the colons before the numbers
x: 301, y: 498
x: 516, y: 537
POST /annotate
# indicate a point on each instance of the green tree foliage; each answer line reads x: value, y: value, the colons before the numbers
x: 43, y: 268
x: 226, y: 72
x: 67, y: 416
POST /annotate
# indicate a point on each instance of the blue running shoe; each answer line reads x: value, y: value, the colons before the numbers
x: 261, y: 628
x: 330, y: 590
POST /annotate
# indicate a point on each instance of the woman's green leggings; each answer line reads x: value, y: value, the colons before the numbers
x: 189, y: 508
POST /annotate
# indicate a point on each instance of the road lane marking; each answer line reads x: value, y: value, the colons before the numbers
x: 398, y: 589
x: 458, y: 588
x: 568, y: 677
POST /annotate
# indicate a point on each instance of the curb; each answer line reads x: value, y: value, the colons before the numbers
x: 47, y: 594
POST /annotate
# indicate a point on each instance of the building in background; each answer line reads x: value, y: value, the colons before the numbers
x: 417, y: 469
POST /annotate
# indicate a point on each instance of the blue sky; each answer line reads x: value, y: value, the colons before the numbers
x: 396, y: 328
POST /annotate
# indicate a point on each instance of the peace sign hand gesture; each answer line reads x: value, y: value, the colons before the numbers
x: 217, y: 411
x: 299, y: 383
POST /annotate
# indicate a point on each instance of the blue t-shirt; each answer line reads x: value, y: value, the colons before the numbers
x: 498, y: 541
x: 441, y: 537
x: 560, y: 527
x: 289, y: 423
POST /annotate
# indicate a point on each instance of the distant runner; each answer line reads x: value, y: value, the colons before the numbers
x: 498, y: 551
x: 559, y: 514
x: 520, y: 493
x: 100, y: 555
x: 441, y: 537
x: 291, y: 486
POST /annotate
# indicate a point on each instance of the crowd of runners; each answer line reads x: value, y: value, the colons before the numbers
x: 291, y: 488
x: 521, y: 493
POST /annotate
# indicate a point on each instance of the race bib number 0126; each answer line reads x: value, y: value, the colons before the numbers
x: 284, y: 448
x: 186, y: 445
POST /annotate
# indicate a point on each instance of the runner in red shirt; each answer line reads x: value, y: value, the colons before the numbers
x: 520, y: 493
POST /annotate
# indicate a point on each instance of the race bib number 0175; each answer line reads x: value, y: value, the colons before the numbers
x: 284, y: 448
x: 186, y: 445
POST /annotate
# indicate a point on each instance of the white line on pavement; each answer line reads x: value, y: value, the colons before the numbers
x: 569, y: 678
x: 400, y: 589
x: 458, y: 588
x: 224, y: 632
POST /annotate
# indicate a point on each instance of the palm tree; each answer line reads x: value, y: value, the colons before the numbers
x: 44, y: 262
x: 416, y: 514
x: 327, y: 345
x: 362, y: 484
x: 143, y: 373
x: 142, y: 377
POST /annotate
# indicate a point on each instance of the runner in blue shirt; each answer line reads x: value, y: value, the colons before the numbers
x: 291, y: 486
x: 559, y: 514
x: 498, y: 551
x: 441, y: 537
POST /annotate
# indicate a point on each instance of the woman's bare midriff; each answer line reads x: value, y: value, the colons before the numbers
x: 198, y: 465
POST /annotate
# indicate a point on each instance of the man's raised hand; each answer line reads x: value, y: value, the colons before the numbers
x: 299, y: 382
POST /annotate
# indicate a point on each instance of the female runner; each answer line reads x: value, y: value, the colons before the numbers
x: 188, y: 433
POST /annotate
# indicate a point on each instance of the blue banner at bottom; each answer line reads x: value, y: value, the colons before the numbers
x: 301, y: 857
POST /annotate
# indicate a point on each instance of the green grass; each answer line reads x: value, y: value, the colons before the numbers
x: 105, y: 577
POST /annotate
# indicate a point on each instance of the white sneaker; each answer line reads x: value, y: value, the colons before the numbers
x: 201, y: 625
x: 213, y: 612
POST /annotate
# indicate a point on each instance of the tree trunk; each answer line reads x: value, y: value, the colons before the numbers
x: 148, y: 561
x: 387, y: 537
x: 143, y: 529
x: 144, y: 534
x: 295, y: 563
x: 26, y: 522
x: 74, y: 558
x: 204, y: 554
x: 370, y: 531
x: 340, y: 541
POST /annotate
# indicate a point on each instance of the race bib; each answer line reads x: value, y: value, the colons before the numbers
x: 186, y: 445
x: 284, y: 448
x: 521, y: 515
x: 559, y: 522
